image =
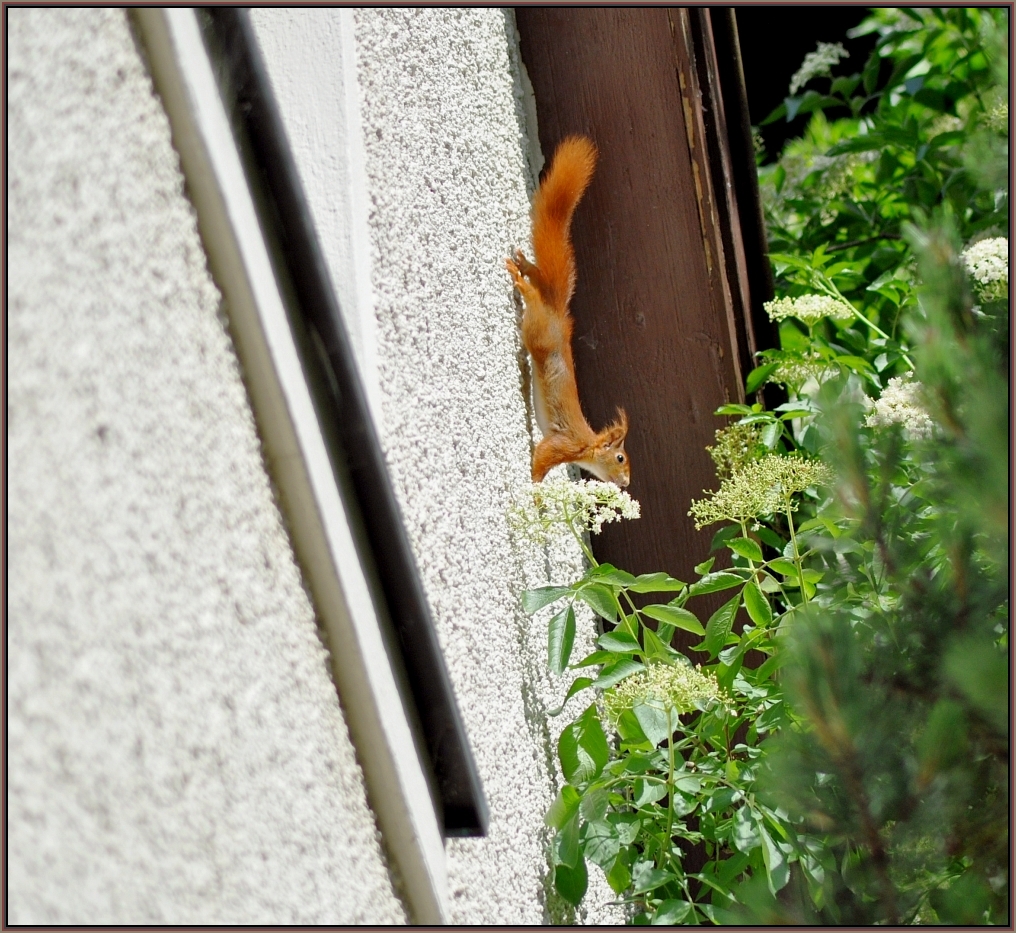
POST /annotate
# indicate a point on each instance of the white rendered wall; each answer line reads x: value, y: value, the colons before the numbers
x: 446, y: 157
x: 176, y: 750
x: 444, y: 189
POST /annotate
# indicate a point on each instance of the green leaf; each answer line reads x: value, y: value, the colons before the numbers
x: 626, y: 825
x: 654, y: 722
x: 867, y: 142
x: 656, y: 583
x: 566, y: 846
x: 746, y: 548
x: 608, y: 573
x: 758, y: 418
x: 629, y: 729
x: 637, y: 764
x: 785, y: 567
x: 723, y: 536
x: 618, y: 641
x: 771, y: 433
x: 714, y: 582
x: 571, y: 883
x: 688, y: 783
x: 534, y: 600
x: 814, y: 871
x: 601, y: 843
x: 579, y: 683
x: 757, y: 377
x: 871, y: 69
x: 674, y: 615
x: 766, y: 669
x: 705, y: 566
x: 719, y: 625
x: 757, y: 605
x: 646, y: 877
x: 744, y: 833
x: 733, y: 410
x: 935, y: 100
x: 616, y: 672
x: 594, y: 804
x: 560, y: 639
x: 671, y: 912
x: 768, y: 536
x: 600, y: 599
x: 777, y: 869
x: 900, y: 68
x: 619, y: 878
x: 802, y: 404
x: 856, y: 363
x: 665, y: 633
x: 564, y: 807
x: 780, y: 111
x: 647, y: 792
x: 655, y: 648
x: 582, y: 748
x: 728, y: 668
x: 844, y: 86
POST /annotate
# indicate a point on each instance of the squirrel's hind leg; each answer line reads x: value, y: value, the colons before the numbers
x: 524, y: 270
x: 517, y: 268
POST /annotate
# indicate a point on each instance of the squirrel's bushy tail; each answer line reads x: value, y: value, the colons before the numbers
x: 570, y: 173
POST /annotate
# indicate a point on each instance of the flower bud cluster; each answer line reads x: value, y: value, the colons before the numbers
x: 677, y: 688
x: 763, y: 487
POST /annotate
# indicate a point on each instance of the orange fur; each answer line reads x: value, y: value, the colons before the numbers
x: 546, y: 287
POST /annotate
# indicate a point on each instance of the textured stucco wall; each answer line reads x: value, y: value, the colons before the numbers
x: 446, y: 144
x: 177, y: 753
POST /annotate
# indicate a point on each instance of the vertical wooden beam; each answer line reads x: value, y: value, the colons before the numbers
x: 660, y: 303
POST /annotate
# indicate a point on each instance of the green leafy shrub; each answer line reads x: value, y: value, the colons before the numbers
x: 680, y: 766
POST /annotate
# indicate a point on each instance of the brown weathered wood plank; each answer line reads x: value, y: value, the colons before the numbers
x: 659, y: 323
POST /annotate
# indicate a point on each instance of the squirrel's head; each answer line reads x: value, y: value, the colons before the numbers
x: 608, y: 461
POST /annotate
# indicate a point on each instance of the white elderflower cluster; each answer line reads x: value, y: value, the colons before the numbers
x: 901, y: 403
x: 817, y: 63
x: 987, y: 263
x: 678, y: 687
x: 808, y: 308
x: 585, y: 505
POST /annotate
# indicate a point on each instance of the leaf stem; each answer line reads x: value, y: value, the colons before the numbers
x: 797, y: 553
x: 670, y: 779
x: 827, y: 285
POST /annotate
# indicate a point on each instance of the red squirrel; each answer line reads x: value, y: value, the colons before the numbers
x: 546, y: 287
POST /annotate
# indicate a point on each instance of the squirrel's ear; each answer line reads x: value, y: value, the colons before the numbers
x: 614, y: 434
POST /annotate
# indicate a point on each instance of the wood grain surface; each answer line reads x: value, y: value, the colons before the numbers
x: 660, y: 303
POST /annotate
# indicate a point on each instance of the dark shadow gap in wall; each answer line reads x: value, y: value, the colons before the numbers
x: 355, y: 449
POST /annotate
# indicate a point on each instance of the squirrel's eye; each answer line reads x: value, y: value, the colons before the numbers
x: 620, y: 458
